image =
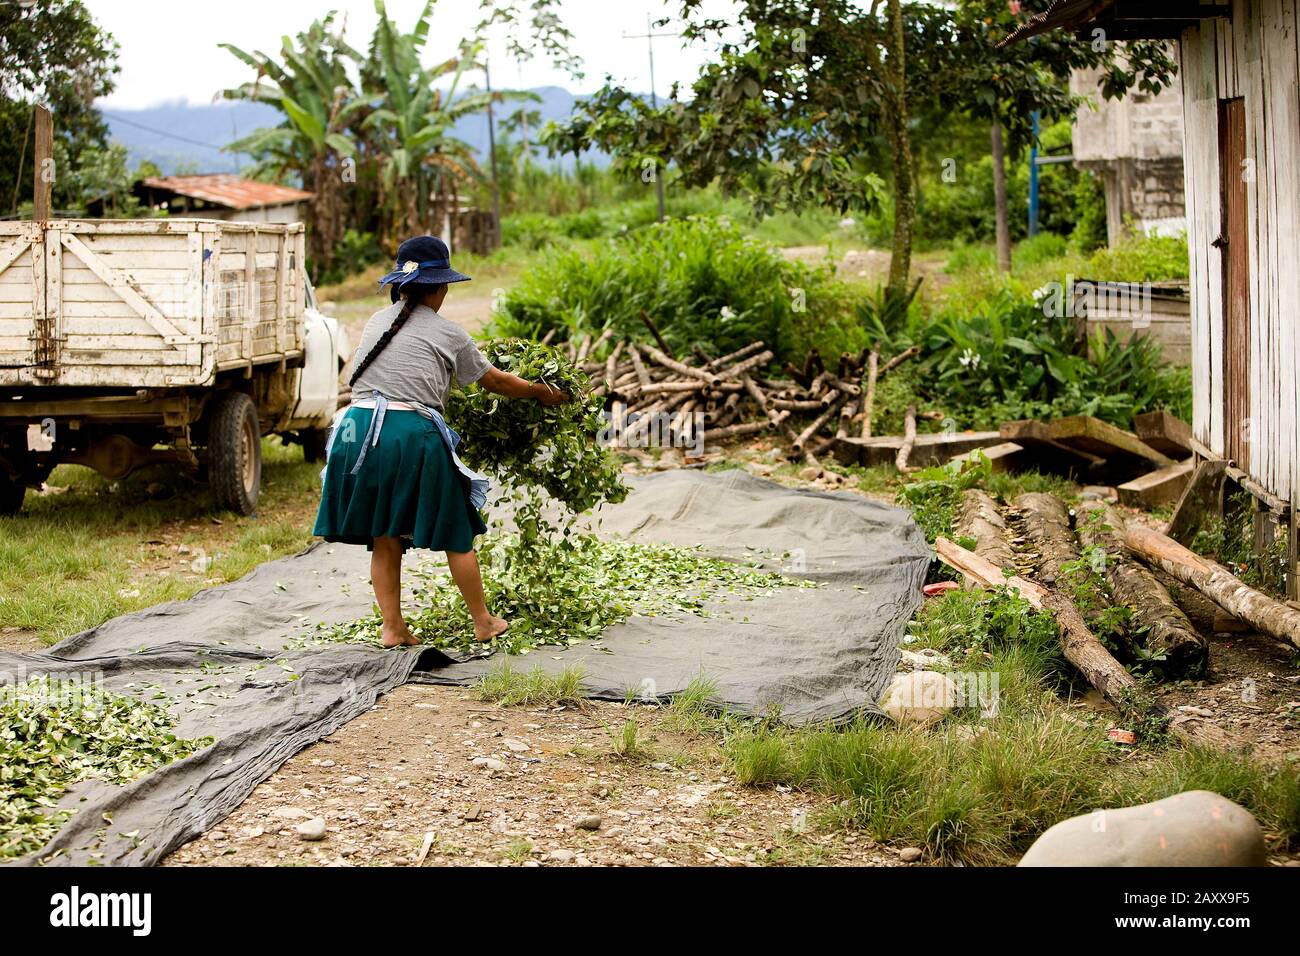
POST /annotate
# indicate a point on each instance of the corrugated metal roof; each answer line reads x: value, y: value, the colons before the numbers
x: 227, y: 189
x: 1121, y: 19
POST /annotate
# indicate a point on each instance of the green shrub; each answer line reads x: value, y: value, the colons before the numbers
x: 1142, y: 258
x: 703, y: 282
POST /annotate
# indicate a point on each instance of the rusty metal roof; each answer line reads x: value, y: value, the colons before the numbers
x: 1121, y: 19
x: 227, y: 189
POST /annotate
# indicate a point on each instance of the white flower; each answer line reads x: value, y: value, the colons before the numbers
x: 726, y: 313
x: 411, y: 266
x: 970, y: 359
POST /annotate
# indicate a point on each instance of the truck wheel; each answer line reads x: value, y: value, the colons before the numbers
x: 313, y: 443
x: 11, y: 494
x: 235, y: 452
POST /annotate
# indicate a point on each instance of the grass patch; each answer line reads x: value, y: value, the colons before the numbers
x: 513, y: 688
x: 980, y: 791
x: 72, y: 560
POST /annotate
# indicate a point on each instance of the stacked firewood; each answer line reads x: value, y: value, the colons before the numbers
x: 812, y: 406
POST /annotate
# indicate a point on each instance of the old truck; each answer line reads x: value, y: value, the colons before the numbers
x: 126, y: 343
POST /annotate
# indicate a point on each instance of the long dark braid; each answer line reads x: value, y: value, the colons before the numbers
x: 409, y: 302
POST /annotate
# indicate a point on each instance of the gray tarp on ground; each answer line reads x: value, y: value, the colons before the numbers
x: 225, y: 659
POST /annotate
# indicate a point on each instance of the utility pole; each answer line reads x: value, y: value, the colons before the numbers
x: 649, y: 37
x: 492, y: 159
x: 44, y: 172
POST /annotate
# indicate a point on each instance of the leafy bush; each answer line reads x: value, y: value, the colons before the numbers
x: 1142, y: 258
x: 1006, y: 358
x: 702, y: 281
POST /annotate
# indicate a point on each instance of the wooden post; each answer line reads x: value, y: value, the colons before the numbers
x: 44, y: 171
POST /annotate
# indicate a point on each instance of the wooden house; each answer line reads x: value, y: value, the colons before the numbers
x: 1239, y: 67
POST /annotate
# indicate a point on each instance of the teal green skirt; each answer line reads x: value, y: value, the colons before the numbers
x: 406, y: 488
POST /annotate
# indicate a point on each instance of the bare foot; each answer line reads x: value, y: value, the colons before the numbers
x: 490, y: 627
x: 398, y: 635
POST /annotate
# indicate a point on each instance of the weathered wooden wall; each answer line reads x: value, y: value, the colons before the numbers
x: 1256, y: 56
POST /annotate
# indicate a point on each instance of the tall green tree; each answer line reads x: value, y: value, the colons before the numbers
x: 814, y: 102
x: 51, y: 53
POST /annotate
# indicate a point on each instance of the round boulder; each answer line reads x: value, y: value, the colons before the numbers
x: 920, y: 698
x: 1195, y: 828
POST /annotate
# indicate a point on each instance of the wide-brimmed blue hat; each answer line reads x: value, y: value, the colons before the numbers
x: 422, y: 260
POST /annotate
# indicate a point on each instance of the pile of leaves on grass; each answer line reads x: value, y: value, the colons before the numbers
x: 54, y: 733
x: 569, y: 589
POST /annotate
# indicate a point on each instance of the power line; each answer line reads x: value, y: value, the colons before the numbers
x: 161, y: 132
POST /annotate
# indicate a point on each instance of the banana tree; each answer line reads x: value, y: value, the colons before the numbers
x: 423, y: 168
x: 314, y: 89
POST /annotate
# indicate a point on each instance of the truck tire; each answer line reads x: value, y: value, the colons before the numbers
x: 235, y: 452
x: 313, y: 443
x: 11, y: 494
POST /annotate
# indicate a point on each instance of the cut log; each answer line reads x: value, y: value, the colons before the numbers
x: 817, y: 424
x: 1096, y: 437
x: 774, y: 416
x: 654, y: 330
x: 681, y: 368
x: 899, y: 359
x: 909, y: 440
x: 1046, y: 527
x: 735, y: 356
x: 1082, y: 649
x: 745, y: 365
x: 1157, y: 487
x: 1202, y: 496
x: 869, y: 397
x: 1166, y: 433
x: 1162, y: 627
x: 1277, y: 620
x: 979, y: 519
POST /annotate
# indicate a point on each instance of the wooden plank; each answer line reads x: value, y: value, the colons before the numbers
x: 1092, y: 435
x: 1157, y: 487
x: 1165, y: 432
x: 929, y: 449
x: 1033, y: 434
x: 1003, y: 456
x: 122, y: 285
x: 1203, y: 495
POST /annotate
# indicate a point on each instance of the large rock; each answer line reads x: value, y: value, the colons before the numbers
x: 920, y: 698
x: 1196, y: 828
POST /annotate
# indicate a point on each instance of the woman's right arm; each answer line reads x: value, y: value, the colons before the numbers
x: 512, y: 386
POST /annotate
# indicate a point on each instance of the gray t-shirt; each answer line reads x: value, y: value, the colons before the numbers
x: 422, y: 360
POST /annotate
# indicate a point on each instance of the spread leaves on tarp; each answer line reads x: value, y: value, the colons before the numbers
x: 561, y: 591
x: 54, y: 733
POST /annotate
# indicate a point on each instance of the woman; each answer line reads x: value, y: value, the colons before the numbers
x: 392, y: 479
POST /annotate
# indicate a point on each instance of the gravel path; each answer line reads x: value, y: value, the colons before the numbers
x: 482, y: 784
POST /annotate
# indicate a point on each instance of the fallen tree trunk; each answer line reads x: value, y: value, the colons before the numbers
x: 978, y: 518
x: 1046, y: 525
x: 1082, y: 649
x: 1277, y: 620
x: 1163, y: 628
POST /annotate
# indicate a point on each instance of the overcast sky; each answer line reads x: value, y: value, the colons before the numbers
x: 169, y: 51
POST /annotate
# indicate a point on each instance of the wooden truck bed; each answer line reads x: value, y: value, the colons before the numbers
x: 147, y: 303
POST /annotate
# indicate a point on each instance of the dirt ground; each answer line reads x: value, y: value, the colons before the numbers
x: 549, y: 789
